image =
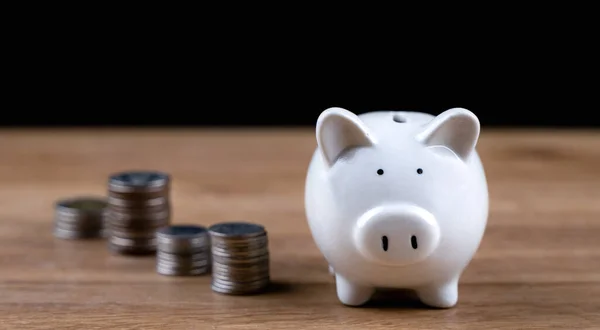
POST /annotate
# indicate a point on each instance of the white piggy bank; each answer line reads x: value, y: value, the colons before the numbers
x: 397, y: 200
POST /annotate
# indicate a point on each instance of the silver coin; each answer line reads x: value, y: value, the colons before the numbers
x: 239, y: 243
x: 248, y: 244
x: 134, y: 180
x: 139, y: 210
x: 139, y: 193
x: 249, y: 266
x: 239, y: 254
x: 182, y: 269
x: 246, y: 283
x: 238, y: 289
x: 240, y: 258
x: 184, y: 263
x: 81, y: 205
x: 127, y: 208
x: 220, y: 234
x: 79, y: 217
x: 244, y: 243
x: 122, y: 203
x: 183, y: 249
x: 79, y: 228
x: 183, y: 232
x: 182, y: 272
x: 132, y: 242
x: 240, y: 261
x: 141, y: 235
x: 183, y: 238
x: 236, y: 230
x: 241, y: 278
x: 205, y: 255
x: 154, y: 224
x: 76, y: 234
x: 79, y: 221
x: 129, y: 227
x: 137, y: 206
x: 221, y: 250
x: 192, y: 241
x: 230, y: 267
x: 145, y: 214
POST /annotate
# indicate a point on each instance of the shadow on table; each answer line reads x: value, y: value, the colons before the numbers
x: 389, y: 298
x: 280, y: 287
x: 397, y: 299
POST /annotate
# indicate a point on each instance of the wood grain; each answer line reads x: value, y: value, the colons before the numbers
x: 538, y: 266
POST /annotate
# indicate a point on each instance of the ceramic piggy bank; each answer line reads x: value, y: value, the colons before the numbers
x: 397, y: 200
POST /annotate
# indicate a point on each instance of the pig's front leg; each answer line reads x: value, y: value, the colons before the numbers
x: 443, y: 295
x: 352, y: 294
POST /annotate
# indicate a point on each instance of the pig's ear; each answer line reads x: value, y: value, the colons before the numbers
x: 456, y: 129
x: 338, y: 130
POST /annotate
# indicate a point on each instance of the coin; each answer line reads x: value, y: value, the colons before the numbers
x: 236, y: 230
x: 138, y: 205
x: 172, y: 257
x: 183, y: 250
x: 120, y: 202
x: 240, y: 258
x: 181, y: 271
x: 237, y: 254
x: 239, y: 288
x: 183, y: 239
x: 146, y: 182
x: 160, y: 218
x: 80, y: 217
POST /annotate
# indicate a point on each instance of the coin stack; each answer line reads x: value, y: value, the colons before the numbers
x: 138, y: 204
x: 240, y: 258
x: 79, y: 218
x: 183, y: 250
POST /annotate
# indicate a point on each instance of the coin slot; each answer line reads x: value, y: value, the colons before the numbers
x: 384, y: 243
x: 398, y: 118
x: 413, y: 241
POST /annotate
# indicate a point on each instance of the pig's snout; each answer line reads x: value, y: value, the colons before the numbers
x: 397, y: 235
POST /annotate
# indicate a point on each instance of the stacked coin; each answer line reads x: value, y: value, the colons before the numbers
x: 138, y: 204
x: 240, y: 258
x: 79, y: 218
x: 183, y: 250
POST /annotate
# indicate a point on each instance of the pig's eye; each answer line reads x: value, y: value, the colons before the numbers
x: 419, y: 171
x: 380, y: 171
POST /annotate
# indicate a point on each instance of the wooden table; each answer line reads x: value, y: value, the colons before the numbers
x: 538, y: 265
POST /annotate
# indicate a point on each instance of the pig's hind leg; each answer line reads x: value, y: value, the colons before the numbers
x: 439, y: 295
x: 352, y: 294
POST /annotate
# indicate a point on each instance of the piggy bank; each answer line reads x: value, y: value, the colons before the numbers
x: 397, y: 200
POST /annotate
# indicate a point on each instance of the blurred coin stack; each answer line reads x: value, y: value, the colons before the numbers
x: 79, y: 218
x: 138, y: 205
x: 183, y: 250
x: 240, y: 258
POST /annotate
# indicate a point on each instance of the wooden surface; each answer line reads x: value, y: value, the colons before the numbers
x: 538, y: 265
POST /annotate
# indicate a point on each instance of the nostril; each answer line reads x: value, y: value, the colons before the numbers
x: 384, y: 243
x: 413, y: 241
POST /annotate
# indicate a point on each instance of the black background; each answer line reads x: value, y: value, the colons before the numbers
x: 269, y: 105
x: 236, y: 98
x: 254, y: 91
x: 61, y: 74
